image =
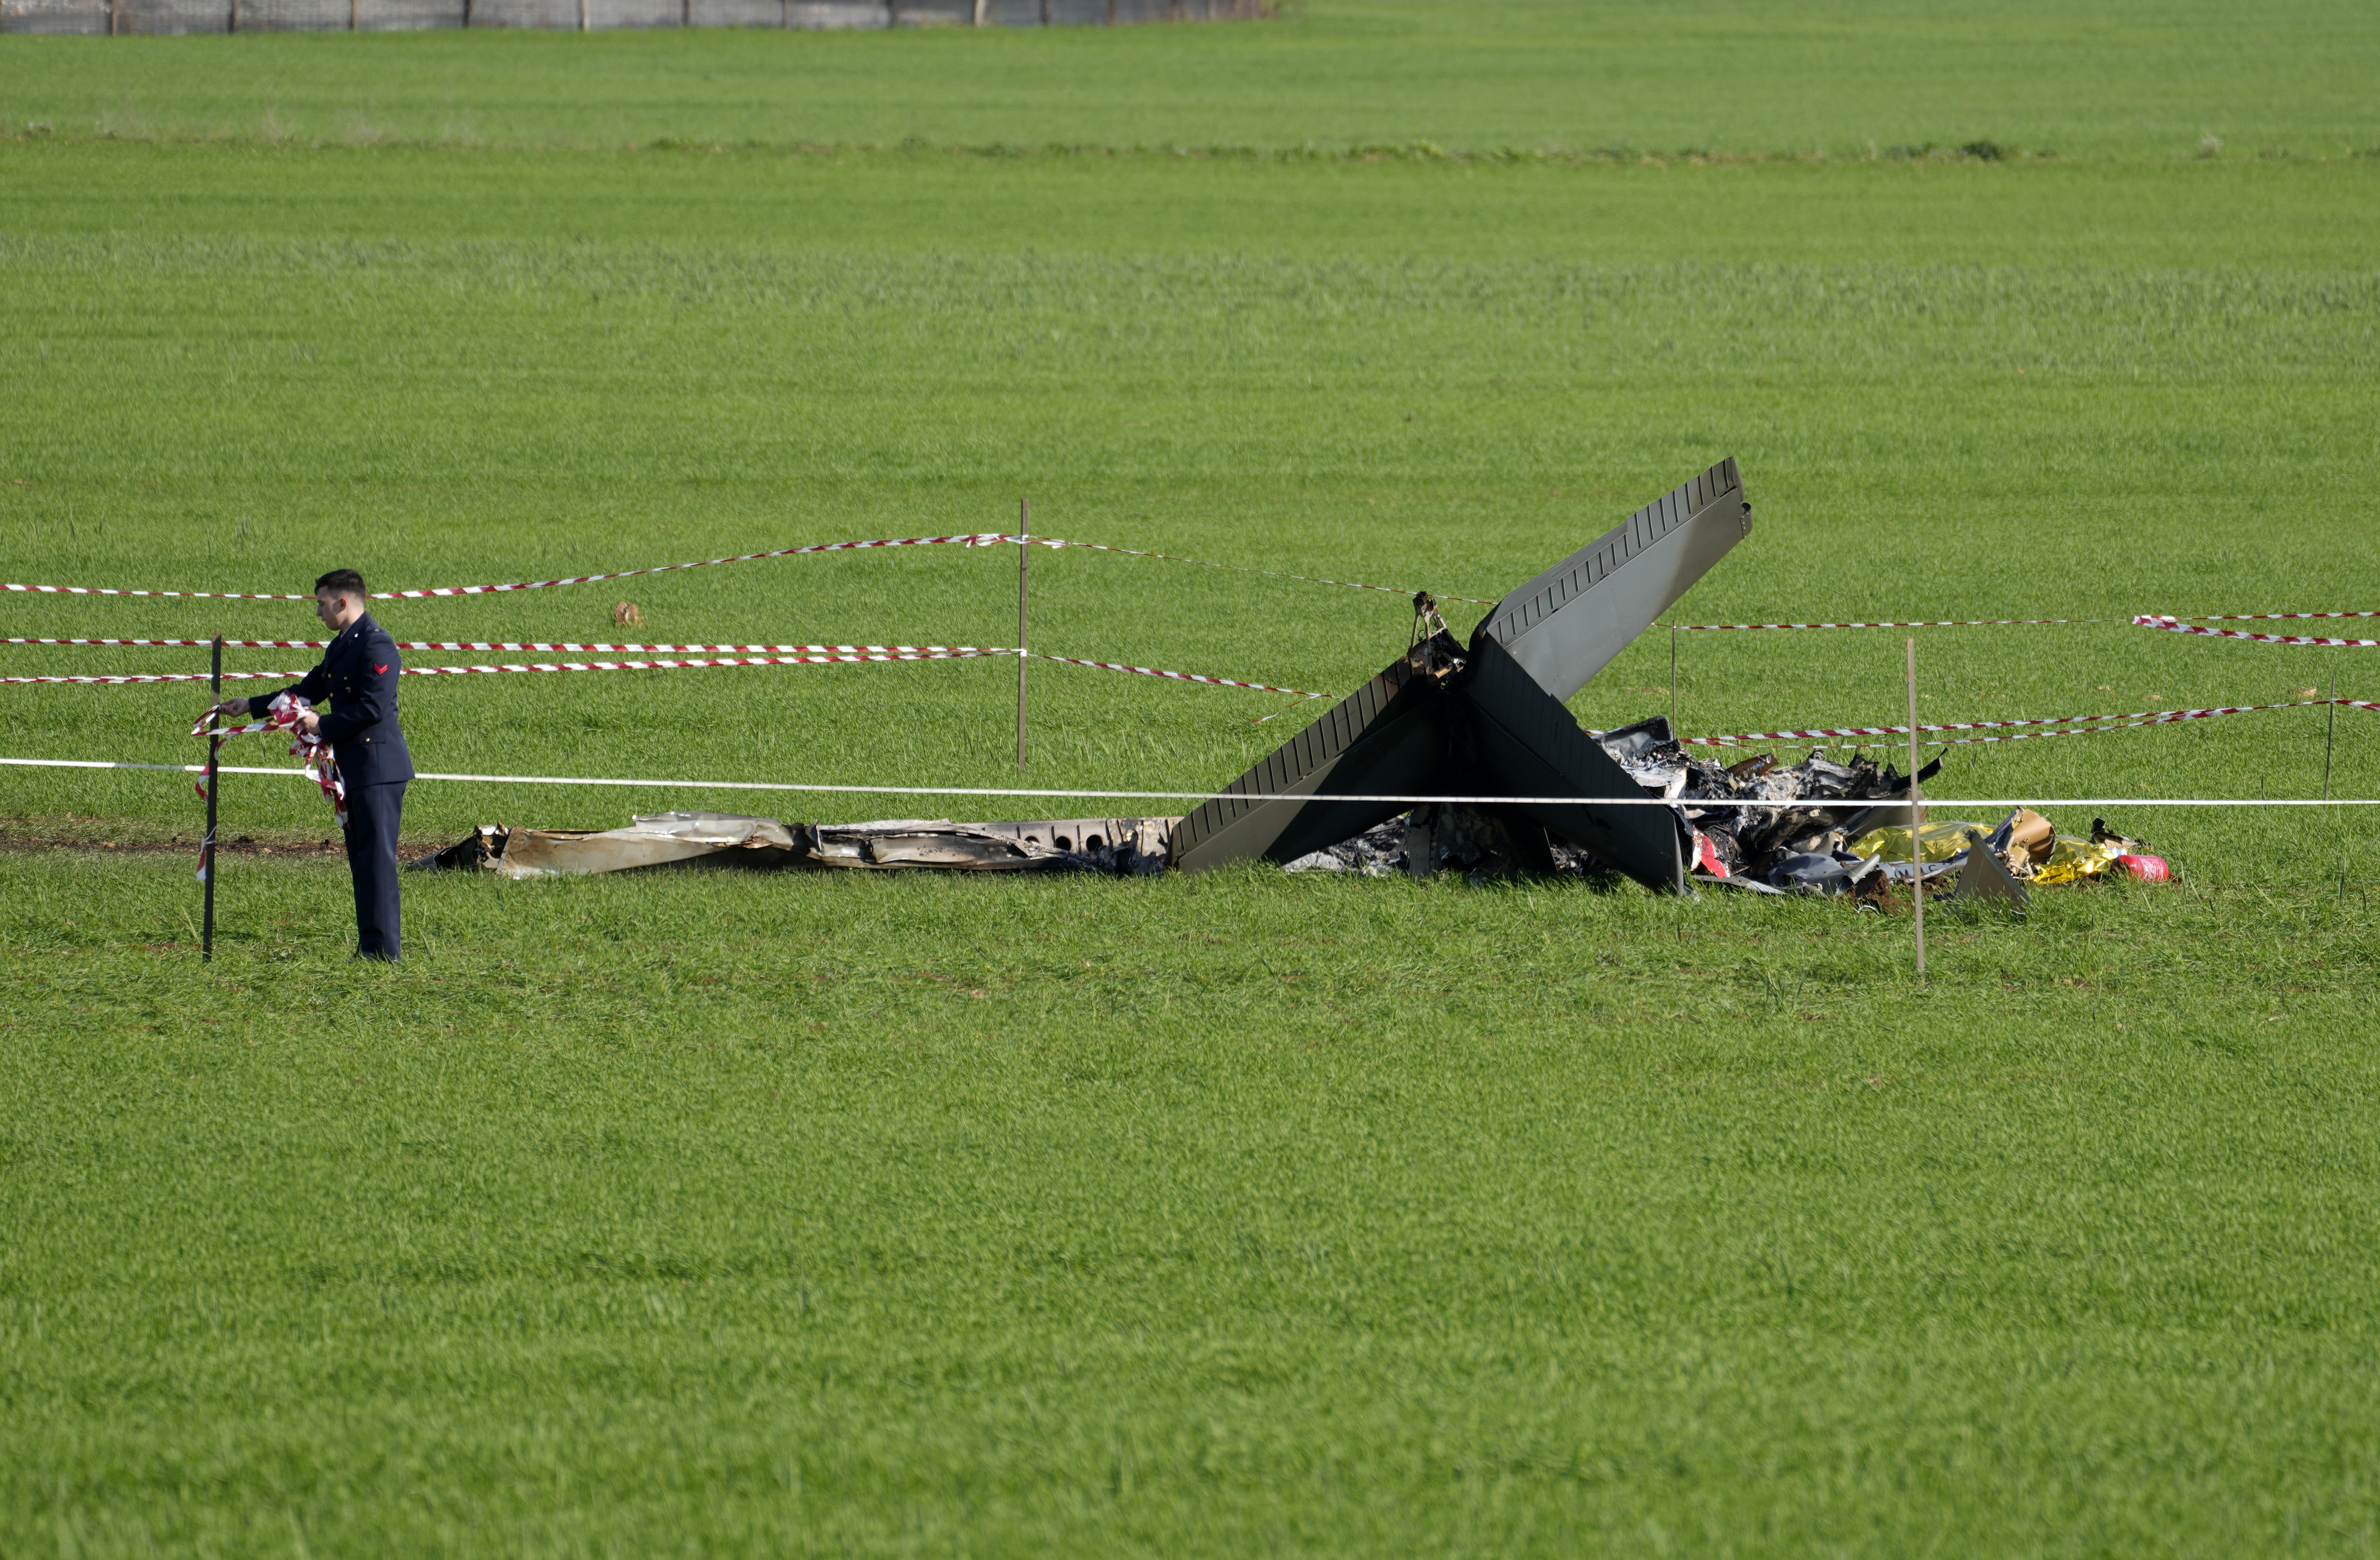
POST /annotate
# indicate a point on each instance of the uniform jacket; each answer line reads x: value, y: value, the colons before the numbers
x: 358, y: 677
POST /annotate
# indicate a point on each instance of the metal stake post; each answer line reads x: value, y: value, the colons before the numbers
x: 207, y: 848
x: 1023, y: 559
x: 1673, y: 679
x: 1916, y: 818
x: 2330, y: 731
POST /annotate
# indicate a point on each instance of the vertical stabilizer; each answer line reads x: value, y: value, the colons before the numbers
x: 1568, y: 623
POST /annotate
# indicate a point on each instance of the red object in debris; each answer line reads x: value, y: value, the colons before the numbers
x: 2148, y: 868
x: 1706, y: 856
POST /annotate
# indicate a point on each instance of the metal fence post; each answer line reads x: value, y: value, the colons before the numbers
x: 1917, y: 819
x: 207, y: 847
x: 1673, y: 678
x: 1023, y: 559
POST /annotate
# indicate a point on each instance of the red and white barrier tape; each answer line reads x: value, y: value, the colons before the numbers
x: 978, y: 539
x: 867, y: 653
x: 845, y: 653
x: 2081, y: 725
x: 1242, y: 568
x: 164, y: 677
x: 529, y: 646
x: 953, y: 653
x: 1948, y: 623
x: 2268, y: 617
x: 1176, y: 676
x: 2182, y: 625
x: 2028, y: 622
x: 201, y: 644
x: 322, y: 765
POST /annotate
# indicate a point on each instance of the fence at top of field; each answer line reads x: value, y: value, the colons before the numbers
x: 122, y: 17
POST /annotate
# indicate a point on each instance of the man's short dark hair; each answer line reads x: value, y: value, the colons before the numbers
x: 346, y: 581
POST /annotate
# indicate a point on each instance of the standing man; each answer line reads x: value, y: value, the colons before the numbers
x: 359, y: 676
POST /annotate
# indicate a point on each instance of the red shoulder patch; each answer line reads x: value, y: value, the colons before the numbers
x: 379, y: 668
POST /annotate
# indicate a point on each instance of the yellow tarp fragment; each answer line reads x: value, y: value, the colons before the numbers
x: 2071, y: 860
x: 1938, y: 841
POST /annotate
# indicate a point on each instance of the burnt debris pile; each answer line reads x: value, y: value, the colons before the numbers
x: 1461, y: 755
x: 1736, y: 834
x: 1485, y: 724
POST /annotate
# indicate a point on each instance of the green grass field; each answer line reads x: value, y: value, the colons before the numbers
x: 1236, y: 1213
x: 2128, y: 79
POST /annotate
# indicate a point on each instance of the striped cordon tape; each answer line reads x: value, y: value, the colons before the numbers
x: 1244, y: 568
x: 2183, y: 626
x: 2141, y: 621
x: 995, y: 538
x: 1942, y: 623
x: 848, y: 654
x: 972, y: 538
x: 320, y: 764
x: 533, y: 647
x: 856, y: 653
x: 2074, y: 725
x: 529, y: 646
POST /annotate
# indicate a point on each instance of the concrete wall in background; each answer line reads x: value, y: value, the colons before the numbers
x: 119, y: 17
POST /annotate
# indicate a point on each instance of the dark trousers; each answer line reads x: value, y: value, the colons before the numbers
x: 372, y: 813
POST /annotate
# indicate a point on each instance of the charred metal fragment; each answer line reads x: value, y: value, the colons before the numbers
x: 1389, y: 737
x: 1525, y: 743
x: 1984, y: 881
x: 1121, y: 846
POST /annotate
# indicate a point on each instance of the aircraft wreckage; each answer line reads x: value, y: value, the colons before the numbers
x: 1484, y: 718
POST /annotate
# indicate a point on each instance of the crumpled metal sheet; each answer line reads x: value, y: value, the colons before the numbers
x: 1790, y: 849
x: 1797, y: 848
x: 1115, y: 845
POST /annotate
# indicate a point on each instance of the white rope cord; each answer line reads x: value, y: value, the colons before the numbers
x: 1227, y: 796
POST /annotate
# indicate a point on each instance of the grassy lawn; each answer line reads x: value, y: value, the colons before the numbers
x: 1214, y: 1215
x: 1247, y: 1212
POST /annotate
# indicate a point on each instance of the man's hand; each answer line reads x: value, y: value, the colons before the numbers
x: 311, y: 724
x: 233, y: 707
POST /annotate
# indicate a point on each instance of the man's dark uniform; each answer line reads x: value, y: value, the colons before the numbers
x: 359, y: 677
